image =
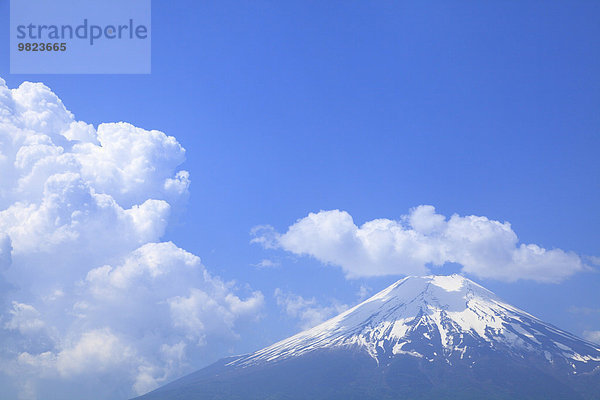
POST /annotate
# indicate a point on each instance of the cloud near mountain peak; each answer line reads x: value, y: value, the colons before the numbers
x: 419, y: 242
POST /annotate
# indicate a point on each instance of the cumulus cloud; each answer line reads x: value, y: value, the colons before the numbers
x: 89, y: 289
x: 95, y: 350
x: 24, y: 318
x: 416, y: 242
x: 308, y: 311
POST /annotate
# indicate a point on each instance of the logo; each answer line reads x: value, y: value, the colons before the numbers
x: 80, y: 36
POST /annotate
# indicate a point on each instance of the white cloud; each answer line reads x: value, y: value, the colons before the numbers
x: 592, y: 336
x: 264, y: 235
x: 190, y: 313
x: 593, y: 260
x: 5, y: 251
x: 419, y: 240
x: 308, y: 311
x: 93, y: 353
x: 91, y: 289
x: 24, y: 318
x: 266, y: 263
x: 363, y: 292
x: 96, y: 350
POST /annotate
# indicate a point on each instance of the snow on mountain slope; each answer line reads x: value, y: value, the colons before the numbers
x: 437, y: 317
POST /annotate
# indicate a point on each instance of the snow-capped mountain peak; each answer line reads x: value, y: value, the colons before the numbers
x: 437, y: 318
x: 422, y: 337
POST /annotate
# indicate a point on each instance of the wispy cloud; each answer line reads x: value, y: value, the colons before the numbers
x: 266, y: 263
x: 584, y: 310
x: 308, y: 311
x: 363, y: 292
x: 592, y: 336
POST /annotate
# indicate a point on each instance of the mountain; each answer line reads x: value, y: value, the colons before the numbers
x: 432, y: 337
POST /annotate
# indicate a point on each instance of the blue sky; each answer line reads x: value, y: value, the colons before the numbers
x: 287, y: 108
